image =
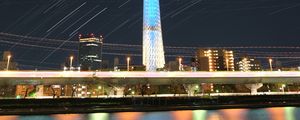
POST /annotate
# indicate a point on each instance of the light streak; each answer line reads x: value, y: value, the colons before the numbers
x: 55, y: 4
x: 192, y: 4
x: 55, y: 50
x: 118, y: 27
x: 79, y: 19
x: 88, y: 21
x: 61, y: 21
x: 124, y: 3
x: 280, y: 10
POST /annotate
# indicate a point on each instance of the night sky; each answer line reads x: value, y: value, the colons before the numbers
x: 51, y: 27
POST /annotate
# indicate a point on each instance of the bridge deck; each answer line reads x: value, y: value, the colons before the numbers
x: 66, y: 77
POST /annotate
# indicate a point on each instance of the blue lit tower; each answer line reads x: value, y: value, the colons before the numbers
x: 153, y: 50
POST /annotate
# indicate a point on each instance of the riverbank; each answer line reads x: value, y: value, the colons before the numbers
x: 141, y: 104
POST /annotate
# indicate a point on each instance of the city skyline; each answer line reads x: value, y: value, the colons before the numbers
x: 144, y: 59
x: 185, y: 23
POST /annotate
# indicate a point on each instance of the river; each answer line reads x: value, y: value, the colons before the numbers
x: 275, y: 113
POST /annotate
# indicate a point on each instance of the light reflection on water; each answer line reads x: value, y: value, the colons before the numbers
x: 276, y: 113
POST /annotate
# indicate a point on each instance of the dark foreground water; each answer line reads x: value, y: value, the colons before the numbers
x: 276, y: 113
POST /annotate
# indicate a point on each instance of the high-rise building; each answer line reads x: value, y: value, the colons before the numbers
x: 90, y: 52
x: 153, y: 50
x: 246, y: 63
x: 215, y: 60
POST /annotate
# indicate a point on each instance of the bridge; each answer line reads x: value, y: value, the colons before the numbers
x: 118, y: 80
x: 157, y: 78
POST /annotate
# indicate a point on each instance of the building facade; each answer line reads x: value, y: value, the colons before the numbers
x: 153, y: 50
x: 248, y: 64
x: 90, y: 52
x: 215, y: 60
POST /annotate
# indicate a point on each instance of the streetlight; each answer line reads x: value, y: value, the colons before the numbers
x: 128, y: 60
x: 65, y: 68
x: 71, y: 62
x: 270, y: 63
x: 180, y: 65
x: 8, y: 61
x: 227, y: 64
x: 283, y: 86
x: 99, y: 88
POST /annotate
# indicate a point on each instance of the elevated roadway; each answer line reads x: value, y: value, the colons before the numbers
x: 155, y: 78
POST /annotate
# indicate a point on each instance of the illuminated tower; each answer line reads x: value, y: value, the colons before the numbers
x: 153, y: 50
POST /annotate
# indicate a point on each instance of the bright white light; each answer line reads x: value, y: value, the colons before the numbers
x: 65, y: 68
x: 56, y: 86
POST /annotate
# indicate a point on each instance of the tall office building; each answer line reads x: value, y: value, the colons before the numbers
x: 90, y: 52
x: 153, y: 50
x: 215, y: 60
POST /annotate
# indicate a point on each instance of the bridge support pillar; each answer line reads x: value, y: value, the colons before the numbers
x: 254, y: 87
x: 39, y: 90
x: 116, y: 91
x: 190, y: 88
x: 110, y: 91
x: 119, y: 91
